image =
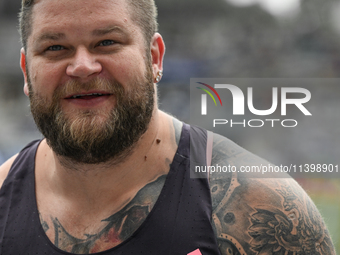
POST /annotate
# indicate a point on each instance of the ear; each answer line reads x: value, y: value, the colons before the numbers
x: 157, y: 53
x: 23, y: 69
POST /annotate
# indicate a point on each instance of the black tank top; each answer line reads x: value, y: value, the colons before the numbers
x: 179, y: 223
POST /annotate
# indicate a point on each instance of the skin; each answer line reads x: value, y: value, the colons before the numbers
x: 68, y: 199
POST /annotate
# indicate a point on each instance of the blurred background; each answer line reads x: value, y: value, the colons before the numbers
x: 216, y: 39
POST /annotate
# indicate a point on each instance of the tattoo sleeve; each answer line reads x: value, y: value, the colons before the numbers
x: 262, y: 215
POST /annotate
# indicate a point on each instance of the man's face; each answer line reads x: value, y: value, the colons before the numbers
x: 90, y: 80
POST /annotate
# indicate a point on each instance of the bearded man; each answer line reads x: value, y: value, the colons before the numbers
x: 111, y: 175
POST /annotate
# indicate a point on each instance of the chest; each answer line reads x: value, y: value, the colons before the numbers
x: 83, y: 233
x: 174, y: 220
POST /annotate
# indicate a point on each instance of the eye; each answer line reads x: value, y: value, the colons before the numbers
x: 106, y: 43
x: 55, y: 48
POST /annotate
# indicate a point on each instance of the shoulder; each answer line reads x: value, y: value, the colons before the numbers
x: 226, y: 152
x: 234, y: 159
x: 256, y: 214
x: 4, y: 169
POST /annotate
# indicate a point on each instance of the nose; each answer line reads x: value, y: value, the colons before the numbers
x: 83, y: 64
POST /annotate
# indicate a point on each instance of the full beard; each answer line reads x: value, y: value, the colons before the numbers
x: 93, y: 136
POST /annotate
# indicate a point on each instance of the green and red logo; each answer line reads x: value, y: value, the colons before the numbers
x: 204, y: 97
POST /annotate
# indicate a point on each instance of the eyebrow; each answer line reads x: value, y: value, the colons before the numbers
x: 97, y: 32
x: 107, y: 30
x: 51, y: 36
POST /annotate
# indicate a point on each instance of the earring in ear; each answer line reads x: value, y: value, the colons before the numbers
x: 159, y: 76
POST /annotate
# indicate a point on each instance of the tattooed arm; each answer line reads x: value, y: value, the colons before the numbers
x: 260, y: 215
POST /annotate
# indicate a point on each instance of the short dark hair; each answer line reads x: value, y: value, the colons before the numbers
x: 143, y: 13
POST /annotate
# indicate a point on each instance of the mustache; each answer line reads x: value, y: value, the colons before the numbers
x: 72, y: 87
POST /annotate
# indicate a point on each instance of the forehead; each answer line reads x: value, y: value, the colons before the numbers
x: 75, y: 15
x: 46, y: 8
